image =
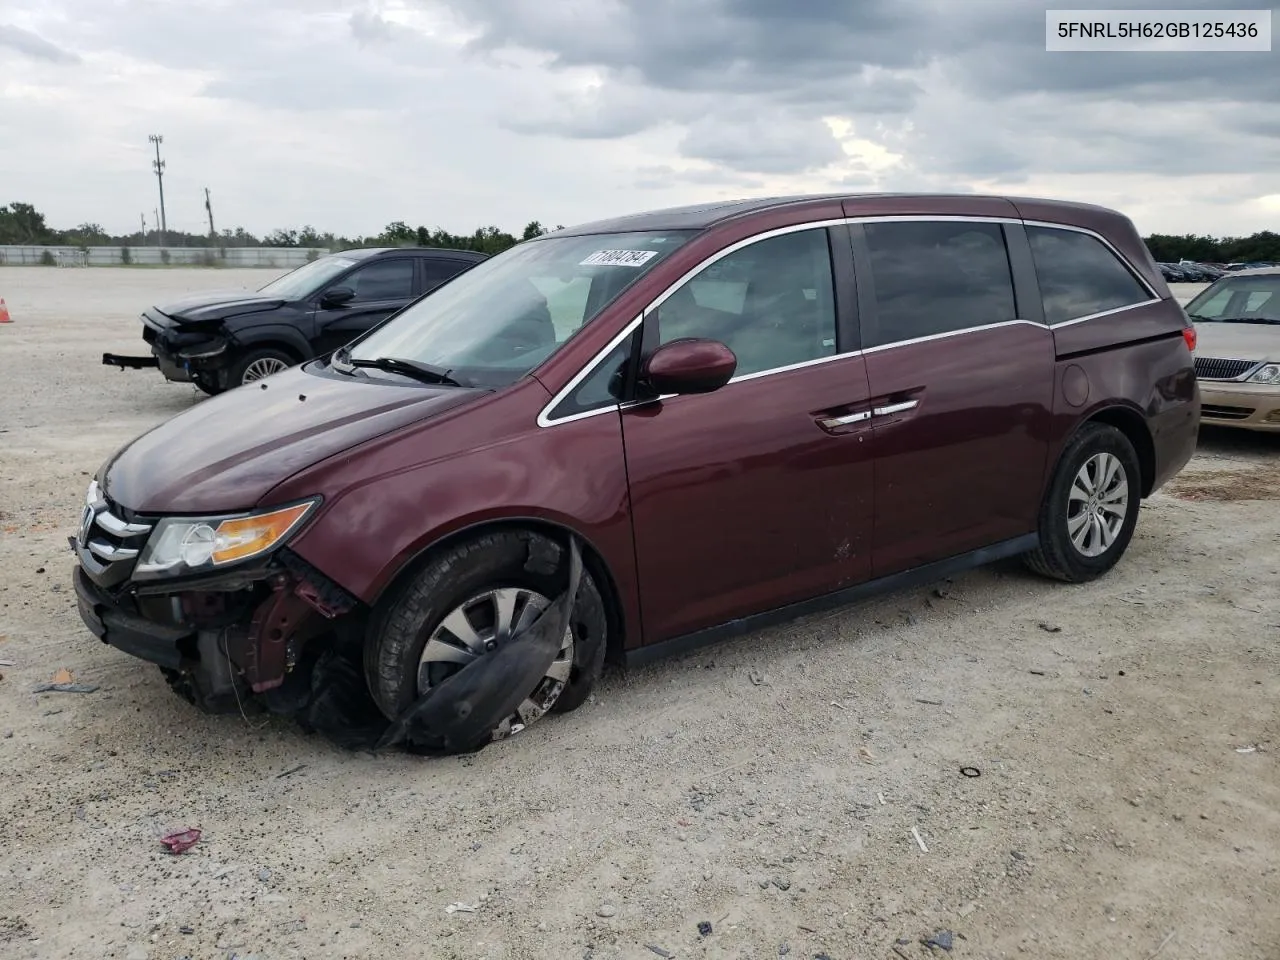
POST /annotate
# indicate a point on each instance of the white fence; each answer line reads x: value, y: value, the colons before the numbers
x: 278, y: 257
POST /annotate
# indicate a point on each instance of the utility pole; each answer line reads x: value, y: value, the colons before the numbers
x: 143, y: 238
x: 158, y: 166
x: 208, y: 205
x: 155, y: 224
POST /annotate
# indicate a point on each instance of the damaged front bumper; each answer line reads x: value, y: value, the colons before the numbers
x: 183, y: 355
x: 228, y: 635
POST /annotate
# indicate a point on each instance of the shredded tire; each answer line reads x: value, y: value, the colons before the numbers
x: 400, y: 627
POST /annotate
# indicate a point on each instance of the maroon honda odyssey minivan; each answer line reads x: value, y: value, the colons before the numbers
x: 732, y: 413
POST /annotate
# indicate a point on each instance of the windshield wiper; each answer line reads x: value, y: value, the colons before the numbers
x: 422, y: 372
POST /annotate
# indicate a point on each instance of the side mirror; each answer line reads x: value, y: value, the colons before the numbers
x: 337, y: 296
x: 691, y: 365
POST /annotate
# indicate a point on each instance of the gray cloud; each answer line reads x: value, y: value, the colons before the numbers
x: 720, y: 66
x: 34, y: 45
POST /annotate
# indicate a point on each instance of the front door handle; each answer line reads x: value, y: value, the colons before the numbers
x: 892, y: 408
x: 832, y: 422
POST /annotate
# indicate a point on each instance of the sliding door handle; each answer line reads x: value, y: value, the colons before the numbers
x: 832, y: 422
x: 893, y: 408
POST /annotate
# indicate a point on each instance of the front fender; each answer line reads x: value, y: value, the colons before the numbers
x: 282, y: 334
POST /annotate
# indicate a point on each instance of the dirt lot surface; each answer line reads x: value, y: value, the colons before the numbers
x: 1125, y: 731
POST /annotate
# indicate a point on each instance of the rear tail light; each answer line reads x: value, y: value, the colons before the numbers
x: 1189, y: 335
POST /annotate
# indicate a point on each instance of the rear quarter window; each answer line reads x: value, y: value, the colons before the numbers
x: 1080, y: 276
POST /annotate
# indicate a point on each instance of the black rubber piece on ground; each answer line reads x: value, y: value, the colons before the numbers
x: 1056, y: 556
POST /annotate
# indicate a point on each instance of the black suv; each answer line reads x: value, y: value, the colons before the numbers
x: 221, y: 340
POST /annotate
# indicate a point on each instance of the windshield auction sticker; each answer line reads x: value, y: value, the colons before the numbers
x: 1147, y: 31
x: 619, y: 258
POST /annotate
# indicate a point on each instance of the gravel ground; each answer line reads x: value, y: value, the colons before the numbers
x: 1125, y: 731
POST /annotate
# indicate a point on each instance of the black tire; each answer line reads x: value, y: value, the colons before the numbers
x: 1057, y: 556
x: 209, y: 385
x: 399, y: 629
x: 236, y: 374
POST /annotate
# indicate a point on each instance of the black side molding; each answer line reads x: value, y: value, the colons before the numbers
x: 129, y: 363
x: 897, y: 581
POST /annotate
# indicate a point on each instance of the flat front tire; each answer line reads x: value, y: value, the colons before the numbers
x: 461, y: 605
x: 1091, y: 508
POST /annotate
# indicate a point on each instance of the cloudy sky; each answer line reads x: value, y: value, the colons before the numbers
x: 348, y: 114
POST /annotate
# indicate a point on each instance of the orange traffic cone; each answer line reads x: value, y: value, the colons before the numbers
x: 4, y: 313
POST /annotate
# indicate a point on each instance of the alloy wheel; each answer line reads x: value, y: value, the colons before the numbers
x: 264, y: 367
x: 481, y: 626
x: 1097, y: 504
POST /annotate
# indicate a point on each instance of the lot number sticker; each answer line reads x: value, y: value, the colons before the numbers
x: 619, y: 258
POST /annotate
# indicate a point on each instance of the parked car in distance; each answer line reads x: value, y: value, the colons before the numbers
x: 1237, y: 322
x: 742, y: 411
x: 225, y: 339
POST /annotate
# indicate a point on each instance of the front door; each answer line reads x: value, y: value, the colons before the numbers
x: 758, y: 494
x: 961, y: 380
x: 381, y: 288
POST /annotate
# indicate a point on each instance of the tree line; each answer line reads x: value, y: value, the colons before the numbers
x: 21, y: 223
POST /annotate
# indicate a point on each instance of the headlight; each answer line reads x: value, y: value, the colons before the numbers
x: 185, y: 545
x: 1268, y: 374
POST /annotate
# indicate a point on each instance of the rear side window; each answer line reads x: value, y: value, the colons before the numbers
x: 1079, y: 276
x: 436, y: 272
x: 938, y: 277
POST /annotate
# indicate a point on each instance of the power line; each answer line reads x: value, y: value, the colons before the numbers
x: 158, y: 166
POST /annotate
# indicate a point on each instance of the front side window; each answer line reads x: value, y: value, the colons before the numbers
x: 937, y: 277
x: 771, y: 303
x: 1253, y: 299
x: 382, y: 280
x: 1079, y: 276
x: 501, y: 318
x: 602, y: 388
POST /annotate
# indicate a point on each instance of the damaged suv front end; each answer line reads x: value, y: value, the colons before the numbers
x: 218, y: 602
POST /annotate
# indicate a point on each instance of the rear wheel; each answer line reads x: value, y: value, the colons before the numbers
x: 1090, y: 511
x: 463, y: 604
x: 257, y: 364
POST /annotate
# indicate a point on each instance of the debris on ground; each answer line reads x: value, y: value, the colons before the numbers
x: 757, y: 679
x: 970, y: 772
x: 659, y: 951
x: 1050, y: 627
x: 64, y: 682
x: 919, y: 840
x: 1251, y: 748
x: 866, y: 755
x: 180, y: 841
x: 8, y: 663
x: 704, y: 928
x: 943, y: 939
x: 781, y: 883
x: 291, y: 771
x: 606, y: 910
x: 462, y: 908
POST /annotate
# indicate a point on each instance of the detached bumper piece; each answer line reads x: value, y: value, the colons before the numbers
x: 145, y: 639
x: 129, y: 363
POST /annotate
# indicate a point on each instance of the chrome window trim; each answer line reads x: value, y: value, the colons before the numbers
x: 955, y: 333
x: 1103, y: 313
x: 545, y: 419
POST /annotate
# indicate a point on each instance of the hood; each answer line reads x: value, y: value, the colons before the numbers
x: 216, y: 306
x: 1238, y: 341
x: 227, y: 452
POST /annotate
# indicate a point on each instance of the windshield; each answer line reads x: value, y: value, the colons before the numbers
x: 1239, y: 300
x: 307, y: 279
x: 497, y: 321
